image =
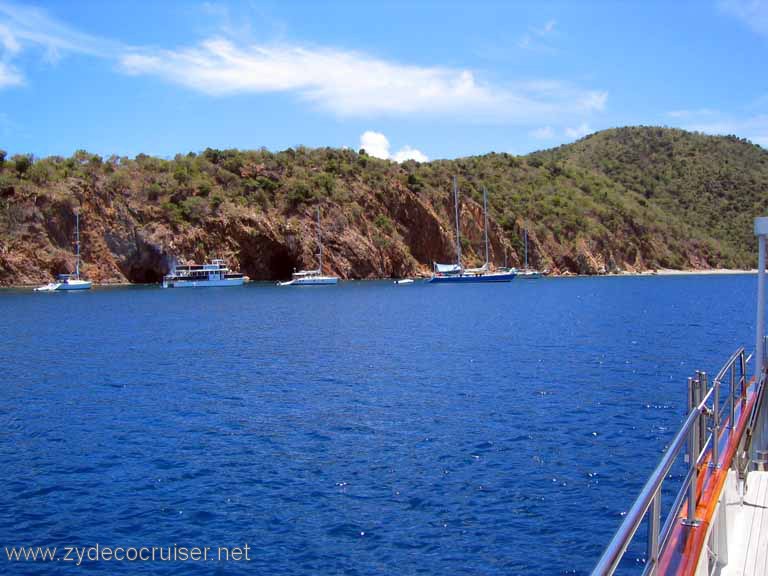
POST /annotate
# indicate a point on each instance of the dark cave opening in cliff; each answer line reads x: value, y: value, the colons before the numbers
x: 281, y: 265
x: 141, y: 275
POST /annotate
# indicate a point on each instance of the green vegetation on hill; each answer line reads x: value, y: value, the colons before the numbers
x: 712, y: 185
x: 626, y: 198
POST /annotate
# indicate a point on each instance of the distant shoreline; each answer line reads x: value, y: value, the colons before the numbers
x: 673, y: 272
x: 659, y: 272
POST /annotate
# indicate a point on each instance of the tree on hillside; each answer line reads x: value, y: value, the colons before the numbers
x: 22, y: 163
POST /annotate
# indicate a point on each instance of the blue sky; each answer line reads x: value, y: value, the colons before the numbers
x: 402, y: 79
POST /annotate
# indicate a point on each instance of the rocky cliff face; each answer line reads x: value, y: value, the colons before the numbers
x: 122, y: 241
x: 618, y: 200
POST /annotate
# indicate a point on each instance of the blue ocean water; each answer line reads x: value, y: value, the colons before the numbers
x: 360, y: 429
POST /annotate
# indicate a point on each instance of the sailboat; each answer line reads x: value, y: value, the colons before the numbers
x: 456, y: 273
x: 527, y: 273
x: 312, y: 277
x: 68, y: 282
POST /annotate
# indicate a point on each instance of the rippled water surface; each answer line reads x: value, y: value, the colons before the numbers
x: 359, y: 429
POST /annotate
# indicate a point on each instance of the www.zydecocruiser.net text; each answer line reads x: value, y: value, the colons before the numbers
x: 78, y: 555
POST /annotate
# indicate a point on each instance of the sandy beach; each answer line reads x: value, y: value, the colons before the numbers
x: 672, y: 272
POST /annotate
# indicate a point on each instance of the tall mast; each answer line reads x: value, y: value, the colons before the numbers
x: 525, y: 234
x: 485, y: 212
x: 456, y: 212
x: 77, y: 244
x: 320, y: 240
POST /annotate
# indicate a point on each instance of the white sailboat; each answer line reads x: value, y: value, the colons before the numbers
x: 312, y: 277
x: 69, y: 282
x: 527, y: 273
x: 456, y: 273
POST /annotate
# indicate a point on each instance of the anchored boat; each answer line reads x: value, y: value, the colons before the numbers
x: 527, y: 273
x: 456, y: 273
x: 718, y: 521
x: 312, y: 277
x: 69, y: 282
x: 214, y: 273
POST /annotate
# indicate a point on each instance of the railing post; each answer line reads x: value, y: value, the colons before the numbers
x: 654, y: 528
x: 701, y: 378
x: 733, y: 398
x: 716, y: 425
x: 761, y: 231
x: 743, y: 365
x: 693, y: 453
x: 765, y: 350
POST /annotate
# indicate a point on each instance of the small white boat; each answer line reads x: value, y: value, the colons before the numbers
x: 404, y: 281
x: 309, y: 278
x: 312, y: 277
x: 527, y: 273
x: 215, y: 273
x: 64, y: 283
x: 69, y: 282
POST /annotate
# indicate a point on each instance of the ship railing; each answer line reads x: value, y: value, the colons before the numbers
x: 711, y: 415
x: 751, y: 451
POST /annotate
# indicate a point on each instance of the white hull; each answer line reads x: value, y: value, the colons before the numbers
x: 528, y: 275
x: 202, y: 283
x: 404, y: 281
x: 69, y: 282
x: 312, y: 277
x: 312, y: 281
x: 70, y: 286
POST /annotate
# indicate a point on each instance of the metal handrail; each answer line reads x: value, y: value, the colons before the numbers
x: 621, y: 540
x: 744, y: 449
x: 693, y: 432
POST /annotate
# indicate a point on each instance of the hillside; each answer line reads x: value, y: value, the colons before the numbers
x: 716, y: 185
x: 623, y: 199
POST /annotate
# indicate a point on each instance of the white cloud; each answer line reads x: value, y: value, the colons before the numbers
x: 11, y: 46
x: 25, y: 27
x: 548, y: 28
x: 355, y: 84
x: 534, y: 39
x: 343, y: 82
x: 9, y: 76
x: 582, y: 130
x: 753, y: 13
x: 377, y: 145
x: 692, y: 113
x: 593, y: 101
x: 22, y: 26
x: 545, y: 133
x: 408, y: 153
x: 753, y: 128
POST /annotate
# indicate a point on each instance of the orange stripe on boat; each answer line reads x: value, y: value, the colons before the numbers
x: 680, y: 556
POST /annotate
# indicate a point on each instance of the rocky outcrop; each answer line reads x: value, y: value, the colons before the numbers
x: 122, y: 242
x: 596, y: 206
